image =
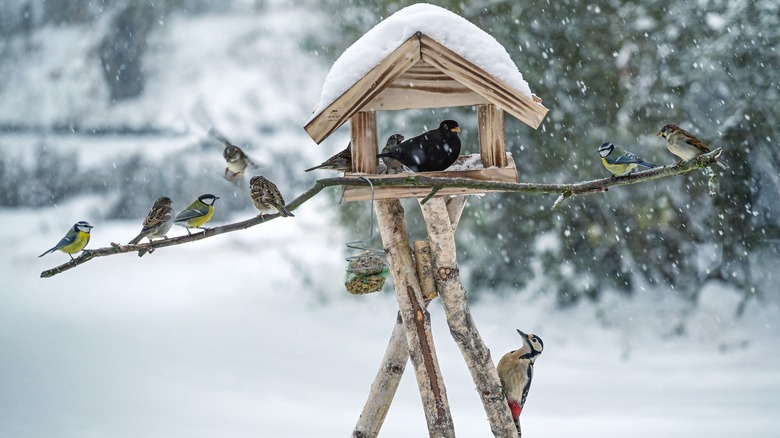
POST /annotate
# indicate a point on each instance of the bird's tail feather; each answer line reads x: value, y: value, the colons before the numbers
x: 136, y: 239
x: 285, y: 212
x: 50, y: 250
x: 319, y: 166
x: 646, y: 164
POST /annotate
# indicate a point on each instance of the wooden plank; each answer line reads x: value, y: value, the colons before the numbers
x: 483, y: 83
x: 364, y: 142
x: 365, y: 89
x: 503, y: 174
x: 492, y: 138
x: 424, y: 86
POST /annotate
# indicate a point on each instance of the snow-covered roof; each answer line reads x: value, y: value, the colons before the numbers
x: 449, y: 29
x: 422, y: 56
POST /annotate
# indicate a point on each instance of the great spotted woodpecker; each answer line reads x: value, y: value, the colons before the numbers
x: 516, y: 369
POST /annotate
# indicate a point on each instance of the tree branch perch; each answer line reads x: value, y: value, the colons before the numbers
x: 410, y: 180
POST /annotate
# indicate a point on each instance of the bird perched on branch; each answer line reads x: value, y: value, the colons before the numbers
x: 197, y: 213
x: 683, y: 144
x: 341, y: 162
x: 516, y: 369
x: 266, y: 196
x: 619, y: 161
x: 235, y: 159
x: 434, y: 150
x: 158, y: 222
x: 392, y: 165
x: 74, y: 241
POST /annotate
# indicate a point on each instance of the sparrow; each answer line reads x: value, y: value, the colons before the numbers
x: 196, y: 214
x: 619, y: 161
x: 235, y: 159
x: 266, y: 196
x: 684, y: 145
x: 434, y: 150
x: 393, y: 165
x: 516, y: 370
x: 341, y: 162
x: 158, y: 222
x: 74, y: 241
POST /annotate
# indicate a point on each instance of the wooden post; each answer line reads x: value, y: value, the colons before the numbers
x: 397, y: 354
x: 460, y: 321
x: 492, y: 138
x: 416, y: 319
x: 364, y: 142
x: 385, y: 384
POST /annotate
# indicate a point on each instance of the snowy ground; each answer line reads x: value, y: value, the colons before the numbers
x: 227, y: 337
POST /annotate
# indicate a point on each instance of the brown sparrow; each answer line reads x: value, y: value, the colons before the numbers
x: 393, y: 165
x: 266, y: 197
x: 158, y: 222
x: 236, y: 160
x: 341, y: 162
x: 684, y: 145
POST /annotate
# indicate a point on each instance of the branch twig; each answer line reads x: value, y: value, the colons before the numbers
x: 564, y: 190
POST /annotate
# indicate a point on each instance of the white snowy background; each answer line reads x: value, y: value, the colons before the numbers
x: 252, y: 333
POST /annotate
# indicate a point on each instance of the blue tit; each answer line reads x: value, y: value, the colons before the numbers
x: 158, y: 222
x: 74, y: 241
x: 197, y: 214
x: 619, y: 161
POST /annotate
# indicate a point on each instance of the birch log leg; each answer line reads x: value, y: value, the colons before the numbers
x: 397, y: 354
x: 385, y: 384
x: 416, y: 319
x: 462, y: 327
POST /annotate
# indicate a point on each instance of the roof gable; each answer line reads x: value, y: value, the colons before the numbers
x: 422, y: 56
x: 422, y: 73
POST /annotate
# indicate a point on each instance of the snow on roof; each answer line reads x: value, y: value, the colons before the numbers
x: 447, y: 28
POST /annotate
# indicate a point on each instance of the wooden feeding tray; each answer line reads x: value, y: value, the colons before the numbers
x: 466, y: 166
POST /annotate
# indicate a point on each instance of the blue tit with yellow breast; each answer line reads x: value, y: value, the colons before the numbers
x: 619, y: 161
x: 197, y: 214
x: 74, y: 241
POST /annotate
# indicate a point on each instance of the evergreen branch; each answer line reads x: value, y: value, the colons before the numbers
x: 409, y: 180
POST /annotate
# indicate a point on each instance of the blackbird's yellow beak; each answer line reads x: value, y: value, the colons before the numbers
x: 455, y: 129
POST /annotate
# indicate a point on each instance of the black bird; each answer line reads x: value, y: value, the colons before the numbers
x: 432, y: 151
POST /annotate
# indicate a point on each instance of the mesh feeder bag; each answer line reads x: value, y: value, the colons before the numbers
x: 365, y: 274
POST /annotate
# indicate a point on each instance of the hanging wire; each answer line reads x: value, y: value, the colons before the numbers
x: 362, y: 245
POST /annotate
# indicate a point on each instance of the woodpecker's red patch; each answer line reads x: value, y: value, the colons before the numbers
x: 515, y: 408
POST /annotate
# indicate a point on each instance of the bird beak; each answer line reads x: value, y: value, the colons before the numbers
x: 660, y: 134
x: 522, y: 334
x: 455, y: 129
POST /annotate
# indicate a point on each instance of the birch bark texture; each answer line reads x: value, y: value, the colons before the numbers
x: 460, y: 321
x: 415, y: 317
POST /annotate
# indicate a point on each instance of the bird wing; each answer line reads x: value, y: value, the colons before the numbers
x: 625, y: 158
x: 189, y: 213
x: 67, y: 240
x: 698, y: 144
x: 156, y: 217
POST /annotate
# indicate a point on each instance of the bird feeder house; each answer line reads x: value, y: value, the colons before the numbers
x: 425, y: 57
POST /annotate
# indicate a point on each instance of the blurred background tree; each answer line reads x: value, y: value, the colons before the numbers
x: 608, y: 71
x: 619, y: 71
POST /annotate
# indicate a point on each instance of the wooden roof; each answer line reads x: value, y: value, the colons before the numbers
x: 422, y: 73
